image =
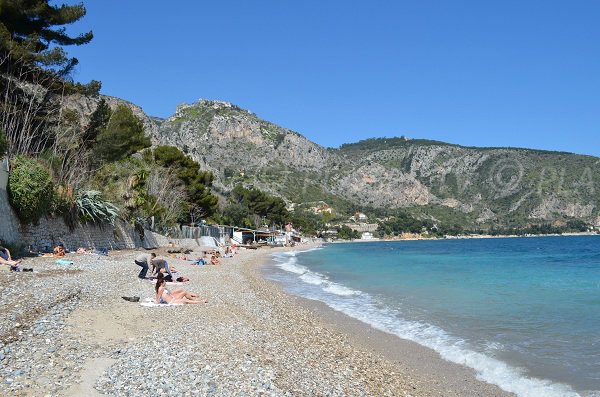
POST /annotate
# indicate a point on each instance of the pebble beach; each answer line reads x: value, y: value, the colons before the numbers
x: 66, y: 331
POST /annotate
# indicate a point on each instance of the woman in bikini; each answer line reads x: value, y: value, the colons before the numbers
x: 179, y: 295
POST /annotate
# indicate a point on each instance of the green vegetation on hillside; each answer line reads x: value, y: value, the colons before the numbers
x: 253, y: 208
x: 375, y: 144
x: 122, y: 136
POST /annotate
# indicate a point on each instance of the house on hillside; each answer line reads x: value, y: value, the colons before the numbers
x: 359, y: 217
x: 367, y: 236
x: 322, y: 208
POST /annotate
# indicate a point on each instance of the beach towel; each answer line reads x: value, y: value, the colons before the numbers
x: 63, y: 262
x: 150, y: 303
x: 168, y: 282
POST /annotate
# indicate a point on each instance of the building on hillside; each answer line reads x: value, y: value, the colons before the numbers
x: 367, y: 236
x: 360, y: 217
x: 362, y: 227
x: 322, y: 208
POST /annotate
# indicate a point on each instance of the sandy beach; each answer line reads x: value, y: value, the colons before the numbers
x: 65, y: 331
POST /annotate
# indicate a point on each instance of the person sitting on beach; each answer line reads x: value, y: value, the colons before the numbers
x: 214, y: 260
x: 59, y: 251
x: 144, y: 260
x: 179, y: 295
x: 228, y: 252
x: 6, y: 259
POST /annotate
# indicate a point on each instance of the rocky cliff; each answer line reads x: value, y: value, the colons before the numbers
x: 474, y: 186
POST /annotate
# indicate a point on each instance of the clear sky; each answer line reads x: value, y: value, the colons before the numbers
x: 478, y: 73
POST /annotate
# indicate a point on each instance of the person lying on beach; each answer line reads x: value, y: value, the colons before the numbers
x: 179, y: 295
x: 214, y: 260
x: 6, y: 259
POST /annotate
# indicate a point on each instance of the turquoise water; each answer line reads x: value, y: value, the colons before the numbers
x: 523, y: 312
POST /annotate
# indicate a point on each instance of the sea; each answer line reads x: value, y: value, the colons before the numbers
x: 524, y: 313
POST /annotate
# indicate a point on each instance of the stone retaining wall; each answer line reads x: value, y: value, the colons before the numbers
x: 53, y: 231
x: 50, y: 232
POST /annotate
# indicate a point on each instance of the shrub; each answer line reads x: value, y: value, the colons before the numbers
x: 30, y: 189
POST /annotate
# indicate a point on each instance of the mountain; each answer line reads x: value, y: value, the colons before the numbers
x: 476, y: 187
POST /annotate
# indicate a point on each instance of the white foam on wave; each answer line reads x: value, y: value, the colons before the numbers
x: 363, y: 307
x: 291, y: 265
x: 341, y: 290
x: 312, y: 278
x: 452, y: 349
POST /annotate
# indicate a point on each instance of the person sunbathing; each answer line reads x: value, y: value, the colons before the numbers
x: 6, y: 259
x: 179, y: 295
x: 59, y: 251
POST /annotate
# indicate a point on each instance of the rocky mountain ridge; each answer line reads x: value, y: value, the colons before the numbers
x: 473, y: 186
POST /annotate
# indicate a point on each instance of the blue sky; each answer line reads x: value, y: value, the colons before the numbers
x: 478, y: 73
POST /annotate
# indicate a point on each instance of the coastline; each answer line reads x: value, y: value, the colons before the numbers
x: 470, y: 237
x: 437, y: 376
x: 65, y: 331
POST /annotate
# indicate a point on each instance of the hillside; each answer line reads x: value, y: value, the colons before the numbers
x: 475, y: 187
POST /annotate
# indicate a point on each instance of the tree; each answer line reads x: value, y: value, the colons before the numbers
x: 201, y: 201
x: 345, y: 233
x: 34, y: 69
x: 98, y: 121
x: 32, y: 32
x: 123, y: 136
x: 260, y: 203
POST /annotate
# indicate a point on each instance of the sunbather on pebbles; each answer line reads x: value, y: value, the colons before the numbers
x: 6, y: 259
x: 179, y: 295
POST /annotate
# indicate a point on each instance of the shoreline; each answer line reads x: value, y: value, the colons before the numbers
x: 443, y: 378
x: 474, y: 237
x: 65, y: 331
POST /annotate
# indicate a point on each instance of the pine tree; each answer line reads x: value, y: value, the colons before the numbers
x: 32, y: 34
x: 122, y: 136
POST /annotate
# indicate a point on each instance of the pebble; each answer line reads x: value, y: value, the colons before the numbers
x: 247, y: 341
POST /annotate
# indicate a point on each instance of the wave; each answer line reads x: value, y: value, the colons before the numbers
x: 363, y: 307
x: 290, y: 264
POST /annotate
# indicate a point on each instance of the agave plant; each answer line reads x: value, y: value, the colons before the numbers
x: 92, y: 207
